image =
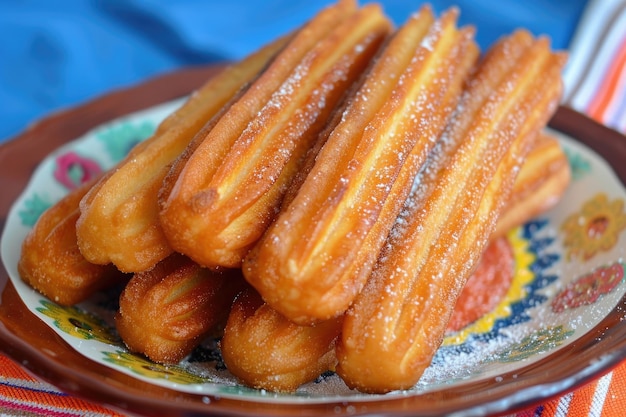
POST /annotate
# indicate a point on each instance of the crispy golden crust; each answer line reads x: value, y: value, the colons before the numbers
x: 316, y: 256
x: 266, y: 351
x: 51, y: 262
x: 403, y: 311
x: 165, y: 312
x: 329, y: 127
x: 544, y: 177
x: 231, y: 186
x: 119, y: 220
x: 250, y: 341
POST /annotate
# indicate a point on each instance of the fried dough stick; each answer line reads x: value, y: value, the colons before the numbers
x: 543, y: 179
x: 166, y: 312
x: 266, y: 351
x: 250, y: 340
x: 316, y: 256
x: 231, y: 187
x: 51, y: 262
x: 403, y: 311
x: 119, y: 221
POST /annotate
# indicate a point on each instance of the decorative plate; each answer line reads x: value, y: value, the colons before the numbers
x: 558, y: 324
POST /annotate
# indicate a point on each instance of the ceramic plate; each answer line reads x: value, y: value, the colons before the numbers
x: 558, y: 324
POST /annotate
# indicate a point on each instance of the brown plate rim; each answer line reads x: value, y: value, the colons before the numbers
x: 46, y: 355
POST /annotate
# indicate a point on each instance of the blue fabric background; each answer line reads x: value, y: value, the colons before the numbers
x: 59, y: 53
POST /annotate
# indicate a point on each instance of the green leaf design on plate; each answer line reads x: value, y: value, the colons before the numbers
x: 121, y: 137
x: 33, y: 208
x: 538, y: 342
x: 580, y: 165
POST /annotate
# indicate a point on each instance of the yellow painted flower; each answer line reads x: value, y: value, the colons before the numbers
x: 595, y: 228
x: 78, y: 323
x: 144, y: 367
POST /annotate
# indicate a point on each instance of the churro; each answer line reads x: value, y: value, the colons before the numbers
x: 51, y: 262
x: 543, y: 179
x: 316, y: 256
x: 266, y: 351
x: 231, y: 186
x: 166, y: 312
x: 119, y: 220
x: 402, y: 313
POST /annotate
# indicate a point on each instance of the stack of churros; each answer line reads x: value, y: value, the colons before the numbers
x: 319, y: 204
x: 314, y: 259
x: 232, y: 184
x: 119, y: 221
x: 402, y: 313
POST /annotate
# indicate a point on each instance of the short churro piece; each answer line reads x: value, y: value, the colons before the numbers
x: 402, y: 313
x: 119, y: 221
x: 165, y: 312
x: 543, y: 179
x: 266, y: 351
x: 318, y: 253
x: 231, y: 186
x: 51, y: 262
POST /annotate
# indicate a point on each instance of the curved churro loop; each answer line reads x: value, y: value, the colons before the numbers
x: 51, y: 262
x: 266, y: 351
x: 119, y: 220
x: 165, y: 312
x: 403, y: 311
x: 231, y: 186
x: 316, y: 256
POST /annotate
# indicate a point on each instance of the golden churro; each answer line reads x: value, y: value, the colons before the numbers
x: 403, y: 311
x: 543, y: 179
x: 51, y: 262
x: 165, y: 312
x: 119, y: 220
x: 318, y: 253
x: 231, y: 186
x: 266, y: 351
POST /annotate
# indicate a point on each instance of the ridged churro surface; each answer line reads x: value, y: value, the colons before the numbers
x: 403, y: 311
x: 318, y: 253
x: 543, y: 179
x: 119, y: 220
x: 265, y: 350
x: 231, y: 186
x: 166, y: 312
x: 51, y: 261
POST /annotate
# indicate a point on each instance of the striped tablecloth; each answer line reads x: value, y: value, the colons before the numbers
x: 595, y: 84
x: 595, y: 80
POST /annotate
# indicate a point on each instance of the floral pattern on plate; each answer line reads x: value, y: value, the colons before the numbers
x: 568, y: 275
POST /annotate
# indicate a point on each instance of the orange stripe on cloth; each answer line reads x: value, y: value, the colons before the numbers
x: 575, y: 404
x: 615, y: 402
x: 22, y: 394
x: 608, y: 90
x: 12, y: 370
x: 582, y: 399
x: 555, y: 408
x: 604, y: 397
